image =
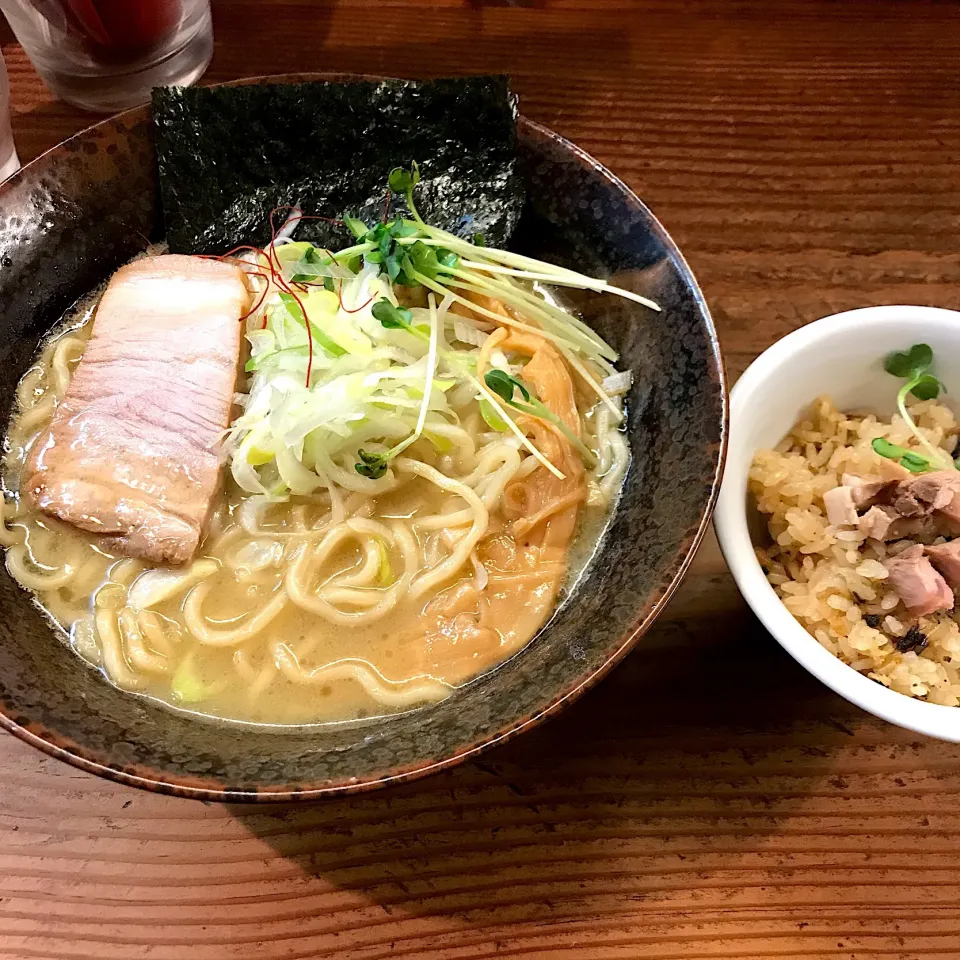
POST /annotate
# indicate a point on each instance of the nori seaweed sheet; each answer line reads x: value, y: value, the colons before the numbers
x: 227, y: 156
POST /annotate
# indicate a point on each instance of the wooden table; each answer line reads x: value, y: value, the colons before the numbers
x: 710, y: 799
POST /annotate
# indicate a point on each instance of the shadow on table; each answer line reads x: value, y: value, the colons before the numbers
x: 678, y: 759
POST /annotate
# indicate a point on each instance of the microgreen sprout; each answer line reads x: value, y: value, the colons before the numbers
x: 387, y: 253
x: 355, y: 225
x: 374, y: 465
x: 371, y: 465
x: 413, y: 253
x: 906, y: 458
x: 403, y: 250
x: 400, y: 318
x: 913, y: 366
x: 312, y: 256
x: 400, y: 254
x: 506, y: 386
x: 394, y: 317
x: 403, y: 181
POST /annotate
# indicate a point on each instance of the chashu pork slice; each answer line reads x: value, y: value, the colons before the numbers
x: 132, y: 451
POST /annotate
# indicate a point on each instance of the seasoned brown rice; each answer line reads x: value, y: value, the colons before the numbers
x: 832, y: 578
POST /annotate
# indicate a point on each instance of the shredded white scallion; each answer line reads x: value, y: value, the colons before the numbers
x: 617, y: 383
x: 467, y: 333
x: 342, y: 377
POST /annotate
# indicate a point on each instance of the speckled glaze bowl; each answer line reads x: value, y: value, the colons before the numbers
x: 70, y: 218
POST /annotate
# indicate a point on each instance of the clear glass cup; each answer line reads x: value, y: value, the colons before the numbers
x: 9, y: 161
x: 106, y: 55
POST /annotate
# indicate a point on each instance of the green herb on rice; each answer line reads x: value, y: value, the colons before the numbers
x: 906, y: 458
x: 914, y: 366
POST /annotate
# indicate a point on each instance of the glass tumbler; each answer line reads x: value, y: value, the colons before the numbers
x: 9, y: 161
x: 106, y: 55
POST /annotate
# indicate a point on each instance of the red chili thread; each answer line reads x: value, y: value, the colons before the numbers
x: 277, y: 271
x: 347, y: 309
x: 303, y: 216
x: 231, y: 254
x: 259, y: 303
x: 250, y: 273
x: 306, y: 320
x: 334, y: 220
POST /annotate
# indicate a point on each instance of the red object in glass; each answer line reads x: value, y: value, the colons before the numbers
x: 124, y: 27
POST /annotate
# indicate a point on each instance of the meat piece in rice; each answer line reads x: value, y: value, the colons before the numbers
x: 834, y: 579
x: 877, y: 521
x: 951, y: 513
x: 884, y: 523
x: 918, y: 584
x: 841, y: 510
x: 946, y: 558
x: 922, y: 495
x: 865, y: 490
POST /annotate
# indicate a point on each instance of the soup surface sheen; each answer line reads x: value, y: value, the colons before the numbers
x: 330, y: 607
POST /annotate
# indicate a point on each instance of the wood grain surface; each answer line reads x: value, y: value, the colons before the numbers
x: 709, y: 799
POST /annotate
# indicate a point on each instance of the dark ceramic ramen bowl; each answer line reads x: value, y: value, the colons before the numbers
x: 73, y: 216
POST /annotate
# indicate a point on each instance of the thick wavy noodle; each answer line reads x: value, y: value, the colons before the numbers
x: 354, y: 598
